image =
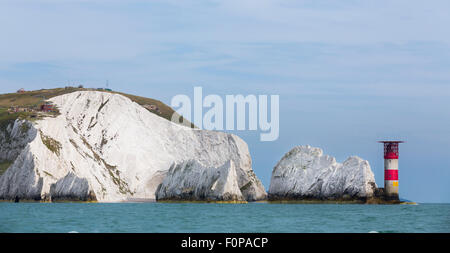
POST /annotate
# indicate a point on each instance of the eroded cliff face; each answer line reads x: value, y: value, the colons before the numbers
x: 190, y: 180
x: 107, y: 148
x: 14, y: 137
x: 304, y: 173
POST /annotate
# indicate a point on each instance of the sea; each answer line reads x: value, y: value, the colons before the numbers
x: 222, y: 218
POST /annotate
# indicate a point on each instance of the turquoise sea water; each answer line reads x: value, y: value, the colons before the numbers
x: 212, y: 218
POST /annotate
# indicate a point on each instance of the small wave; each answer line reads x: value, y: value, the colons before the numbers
x: 73, y: 232
x: 373, y: 232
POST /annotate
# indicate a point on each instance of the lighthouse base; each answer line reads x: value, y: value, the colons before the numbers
x: 392, y: 197
x: 380, y: 197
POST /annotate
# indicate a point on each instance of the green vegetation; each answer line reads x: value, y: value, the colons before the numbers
x: 34, y: 99
x: 73, y: 143
x: 7, y: 119
x: 48, y: 174
x: 90, y: 123
x: 52, y: 144
x: 28, y: 100
x: 102, y: 105
x: 4, y: 165
x: 246, y: 186
x: 24, y: 128
x: 165, y: 110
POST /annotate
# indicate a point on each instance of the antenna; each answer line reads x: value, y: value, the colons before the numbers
x: 107, y: 84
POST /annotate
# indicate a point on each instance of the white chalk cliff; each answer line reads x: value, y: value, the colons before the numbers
x: 190, y: 180
x: 105, y: 147
x: 305, y: 173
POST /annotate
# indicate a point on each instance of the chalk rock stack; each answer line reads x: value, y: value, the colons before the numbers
x: 192, y: 181
x: 304, y: 173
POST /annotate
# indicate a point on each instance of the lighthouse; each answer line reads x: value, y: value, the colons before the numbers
x: 391, y: 169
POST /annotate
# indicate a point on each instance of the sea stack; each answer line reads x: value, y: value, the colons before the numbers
x: 105, y: 147
x: 305, y: 173
x: 192, y: 181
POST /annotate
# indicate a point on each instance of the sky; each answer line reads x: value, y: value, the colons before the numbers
x: 348, y: 73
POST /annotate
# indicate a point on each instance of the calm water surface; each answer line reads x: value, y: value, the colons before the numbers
x: 212, y: 218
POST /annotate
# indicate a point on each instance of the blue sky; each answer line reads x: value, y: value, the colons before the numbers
x: 348, y: 72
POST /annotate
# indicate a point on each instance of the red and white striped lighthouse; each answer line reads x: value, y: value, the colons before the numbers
x: 391, y: 169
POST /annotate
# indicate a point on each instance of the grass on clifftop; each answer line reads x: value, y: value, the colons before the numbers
x: 166, y: 111
x: 36, y: 98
